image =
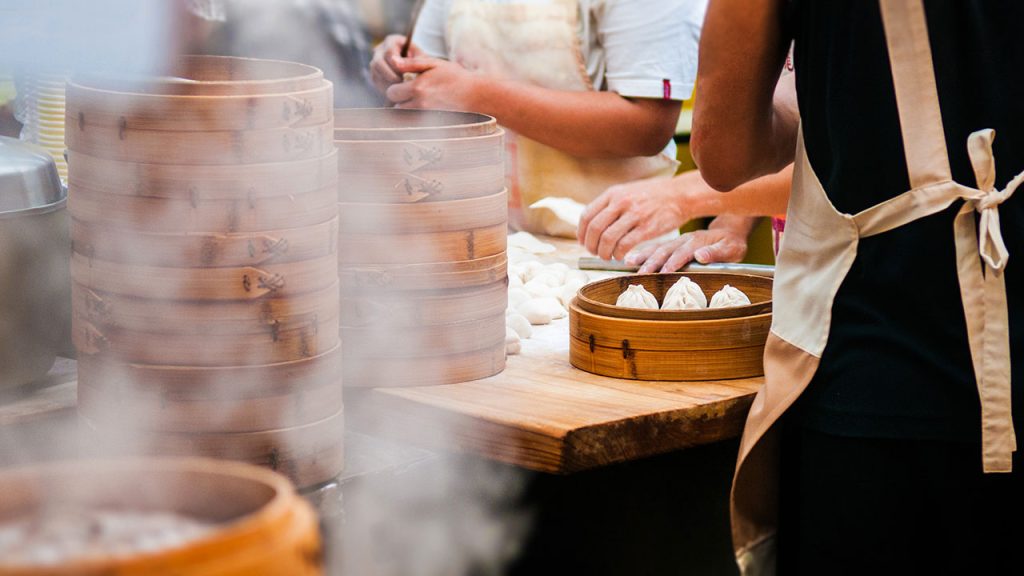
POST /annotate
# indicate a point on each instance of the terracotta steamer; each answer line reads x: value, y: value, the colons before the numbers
x: 422, y: 246
x: 204, y: 270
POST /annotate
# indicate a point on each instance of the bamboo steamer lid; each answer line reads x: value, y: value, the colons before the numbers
x: 261, y: 525
x: 401, y: 124
x: 144, y: 213
x: 307, y: 455
x: 200, y: 184
x: 707, y: 344
x: 205, y: 249
x: 199, y: 318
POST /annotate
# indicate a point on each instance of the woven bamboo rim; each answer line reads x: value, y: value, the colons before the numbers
x: 239, y: 283
x: 216, y: 318
x: 262, y: 525
x: 165, y: 413
x: 433, y: 276
x: 193, y: 249
x: 420, y: 308
x: 89, y: 107
x: 200, y: 184
x: 309, y: 454
x: 368, y: 343
x: 128, y: 144
x: 199, y: 383
x: 414, y: 156
x: 599, y: 297
x: 692, y: 365
x: 455, y: 246
x: 279, y: 342
x: 425, y: 217
x: 421, y: 186
x: 165, y: 215
x: 453, y: 369
x: 402, y: 124
x: 691, y: 335
x: 215, y: 76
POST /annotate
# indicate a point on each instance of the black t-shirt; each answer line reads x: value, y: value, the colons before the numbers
x: 897, y: 362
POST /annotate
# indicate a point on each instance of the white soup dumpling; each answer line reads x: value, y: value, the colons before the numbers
x: 636, y: 296
x: 685, y: 294
x: 729, y: 296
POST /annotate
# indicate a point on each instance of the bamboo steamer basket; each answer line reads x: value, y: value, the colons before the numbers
x: 422, y: 248
x: 200, y: 184
x: 709, y: 344
x: 261, y: 525
x: 309, y: 454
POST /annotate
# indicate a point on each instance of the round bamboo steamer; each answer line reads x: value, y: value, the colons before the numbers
x: 380, y: 341
x: 215, y: 383
x: 428, y: 247
x: 128, y: 144
x: 419, y: 308
x: 308, y: 455
x: 95, y: 107
x: 200, y: 184
x: 261, y: 526
x: 426, y: 371
x: 145, y: 213
x: 197, y: 318
x: 215, y: 76
x: 205, y: 249
x: 166, y: 412
x: 279, y: 342
x: 425, y: 217
x: 715, y: 344
x: 432, y: 276
x: 238, y: 283
x: 404, y: 124
x: 424, y: 185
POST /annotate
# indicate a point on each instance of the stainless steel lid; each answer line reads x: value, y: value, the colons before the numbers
x: 29, y: 182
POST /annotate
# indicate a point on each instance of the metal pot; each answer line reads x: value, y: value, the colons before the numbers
x: 35, y: 247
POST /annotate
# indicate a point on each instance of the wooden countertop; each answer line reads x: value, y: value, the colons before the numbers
x: 543, y: 414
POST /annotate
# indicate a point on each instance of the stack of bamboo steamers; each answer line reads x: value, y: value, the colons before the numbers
x: 423, y: 246
x: 205, y: 270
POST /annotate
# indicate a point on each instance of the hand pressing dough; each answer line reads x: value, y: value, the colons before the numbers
x: 729, y: 296
x: 685, y: 294
x: 636, y: 296
x: 512, y: 343
x: 519, y: 324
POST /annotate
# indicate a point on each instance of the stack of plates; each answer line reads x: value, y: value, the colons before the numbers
x: 42, y: 113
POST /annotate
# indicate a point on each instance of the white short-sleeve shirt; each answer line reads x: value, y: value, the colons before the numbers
x: 636, y: 48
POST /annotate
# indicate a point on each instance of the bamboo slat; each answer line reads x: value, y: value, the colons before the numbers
x: 205, y: 250
x: 434, y: 276
x: 405, y: 156
x: 418, y: 308
x: 165, y: 215
x: 428, y: 247
x: 422, y: 185
x: 400, y: 124
x: 425, y: 217
x: 401, y: 372
x: 242, y: 283
x: 381, y: 342
x: 200, y: 184
x: 696, y: 365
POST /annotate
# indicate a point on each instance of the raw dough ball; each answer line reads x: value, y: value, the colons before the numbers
x: 558, y: 269
x: 529, y: 243
x: 517, y: 296
x: 517, y: 270
x: 536, y: 312
x: 577, y: 276
x: 514, y: 281
x: 512, y: 344
x: 531, y: 269
x: 729, y: 296
x: 548, y: 277
x: 519, y: 323
x: 537, y: 288
x: 685, y: 294
x: 636, y: 296
x: 569, y: 291
x: 553, y: 305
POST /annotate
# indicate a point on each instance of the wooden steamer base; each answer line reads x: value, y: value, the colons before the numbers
x: 423, y: 219
x: 205, y: 231
x: 699, y: 345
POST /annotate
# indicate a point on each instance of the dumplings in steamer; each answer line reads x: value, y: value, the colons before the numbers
x: 685, y: 294
x: 729, y: 296
x: 636, y: 296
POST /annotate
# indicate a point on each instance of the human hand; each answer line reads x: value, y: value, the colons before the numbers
x: 627, y: 214
x: 725, y: 240
x: 387, y: 56
x: 438, y: 84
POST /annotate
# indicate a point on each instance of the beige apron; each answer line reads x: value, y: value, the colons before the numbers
x: 819, y: 247
x: 539, y: 44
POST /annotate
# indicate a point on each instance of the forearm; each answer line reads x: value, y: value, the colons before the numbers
x: 764, y: 196
x: 584, y: 124
x: 738, y: 131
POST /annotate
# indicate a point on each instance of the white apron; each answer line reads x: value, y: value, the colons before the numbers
x: 539, y: 44
x: 819, y: 247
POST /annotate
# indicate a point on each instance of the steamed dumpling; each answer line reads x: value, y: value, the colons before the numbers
x: 637, y: 297
x: 685, y: 294
x: 729, y: 296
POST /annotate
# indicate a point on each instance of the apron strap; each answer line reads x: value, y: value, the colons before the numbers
x: 917, y: 98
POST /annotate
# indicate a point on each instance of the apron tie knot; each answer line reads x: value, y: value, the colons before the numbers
x: 990, y: 238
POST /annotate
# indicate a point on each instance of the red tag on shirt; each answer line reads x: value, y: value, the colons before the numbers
x: 666, y: 89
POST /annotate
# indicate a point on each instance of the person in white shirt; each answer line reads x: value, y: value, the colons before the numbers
x: 588, y: 90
